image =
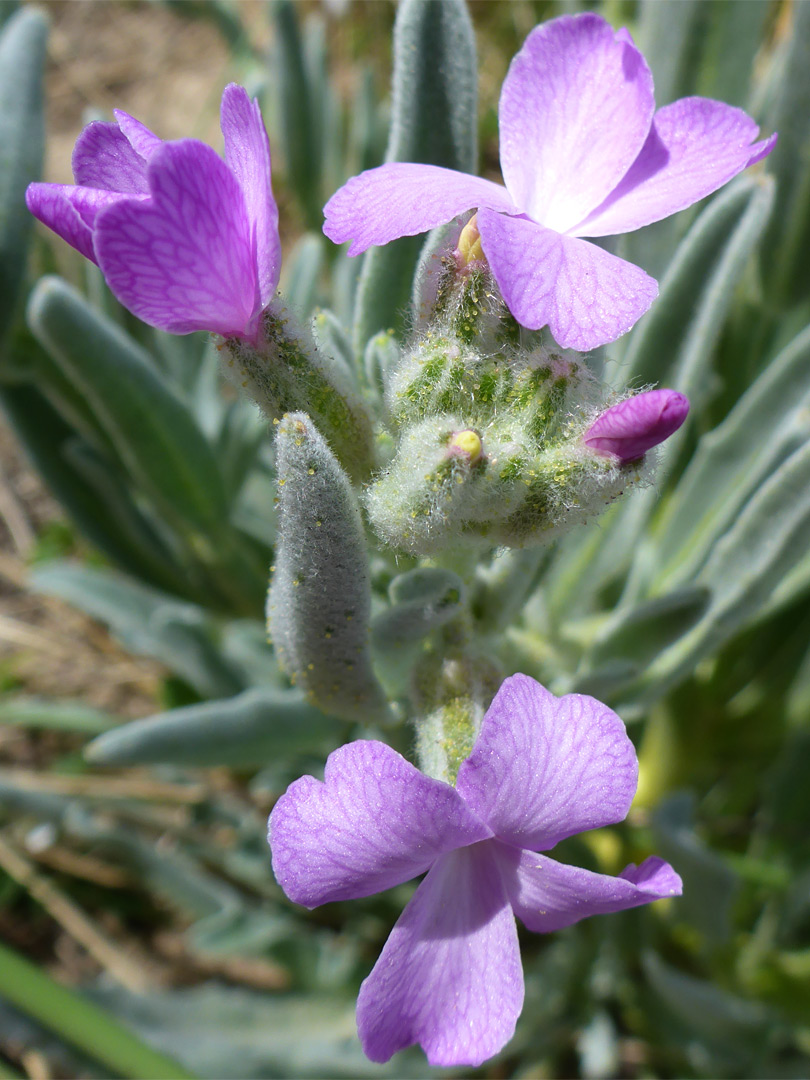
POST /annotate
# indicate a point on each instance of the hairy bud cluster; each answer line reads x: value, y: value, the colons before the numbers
x: 491, y: 434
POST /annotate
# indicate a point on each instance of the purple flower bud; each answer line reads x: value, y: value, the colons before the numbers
x: 631, y: 428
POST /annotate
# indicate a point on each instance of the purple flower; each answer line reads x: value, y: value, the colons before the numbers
x: 449, y: 977
x: 631, y: 428
x: 583, y: 154
x: 186, y: 240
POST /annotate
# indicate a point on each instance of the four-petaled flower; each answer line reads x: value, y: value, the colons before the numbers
x: 186, y: 240
x: 583, y: 154
x: 449, y: 977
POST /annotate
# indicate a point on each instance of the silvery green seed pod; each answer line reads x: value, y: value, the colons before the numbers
x: 319, y: 602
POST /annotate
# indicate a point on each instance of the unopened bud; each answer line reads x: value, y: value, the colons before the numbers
x: 469, y: 244
x: 628, y: 430
x: 467, y: 445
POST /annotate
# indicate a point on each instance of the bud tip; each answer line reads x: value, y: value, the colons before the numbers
x: 632, y: 427
x: 469, y: 248
x: 465, y: 444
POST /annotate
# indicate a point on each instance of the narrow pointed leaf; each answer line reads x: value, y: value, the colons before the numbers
x: 433, y: 121
x: 55, y: 715
x: 301, y: 274
x: 155, y: 434
x: 331, y: 340
x: 785, y: 271
x: 300, y: 121
x: 767, y: 425
x: 83, y: 1024
x: 150, y: 623
x: 673, y: 344
x: 640, y: 633
x: 251, y: 730
x: 421, y: 600
x: 46, y: 437
x: 22, y: 133
x: 768, y: 539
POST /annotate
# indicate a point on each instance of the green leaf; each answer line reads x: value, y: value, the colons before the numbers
x: 247, y: 731
x: 230, y: 1031
x: 433, y: 120
x: 670, y: 36
x: 767, y: 540
x: 784, y: 264
x: 709, y: 886
x: 148, y: 622
x: 638, y: 634
x: 83, y: 1024
x: 735, y: 1028
x: 503, y: 586
x: 367, y: 131
x: 300, y: 120
x: 422, y: 600
x: 726, y: 73
x: 767, y: 425
x: 154, y: 433
x: 698, y: 48
x: 301, y: 274
x: 673, y: 344
x: 46, y: 439
x: 55, y: 715
x: 379, y: 360
x: 22, y: 133
x: 175, y: 875
x: 332, y: 341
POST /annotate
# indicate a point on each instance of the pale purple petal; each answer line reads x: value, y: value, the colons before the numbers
x: 632, y: 427
x: 70, y: 211
x: 449, y: 977
x: 374, y: 822
x: 544, y: 767
x: 694, y: 147
x: 547, y: 895
x: 247, y: 154
x: 141, y: 139
x: 401, y: 199
x: 103, y: 158
x: 184, y: 260
x: 586, y: 296
x: 575, y: 109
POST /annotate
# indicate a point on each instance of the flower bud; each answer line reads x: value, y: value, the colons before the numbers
x: 628, y: 430
x: 469, y: 245
x: 466, y: 444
